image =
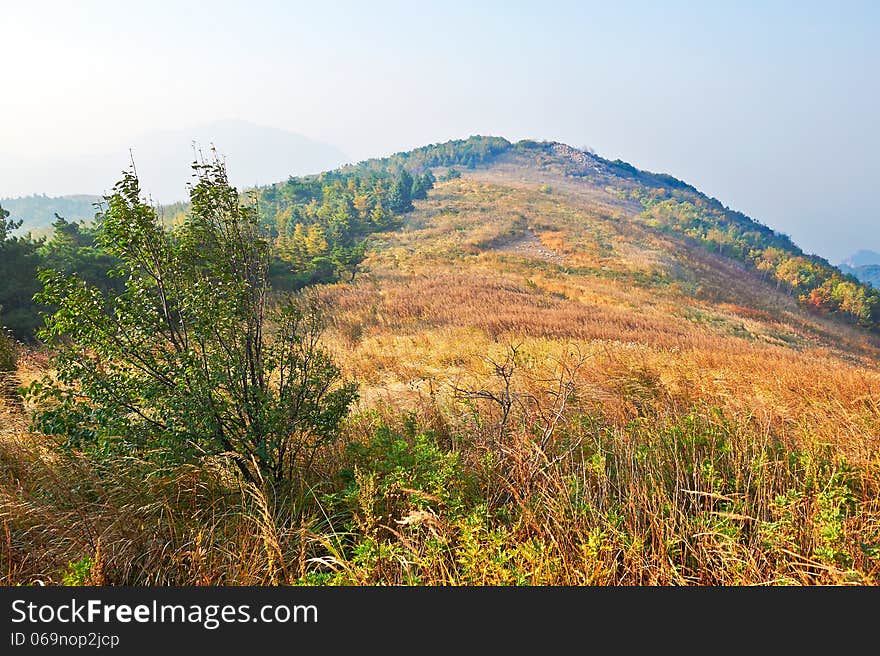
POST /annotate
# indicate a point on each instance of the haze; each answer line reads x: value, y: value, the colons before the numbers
x: 770, y: 107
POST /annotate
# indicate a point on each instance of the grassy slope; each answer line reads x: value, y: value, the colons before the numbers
x: 594, y: 274
x: 661, y: 332
x: 674, y: 419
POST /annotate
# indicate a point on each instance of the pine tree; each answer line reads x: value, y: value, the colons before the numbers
x: 400, y: 195
x: 422, y: 184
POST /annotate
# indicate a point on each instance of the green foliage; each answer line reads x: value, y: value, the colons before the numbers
x: 422, y: 184
x: 818, y: 285
x: 470, y: 152
x: 320, y: 224
x: 452, y: 174
x: 18, y: 281
x: 816, y: 510
x: 397, y: 478
x: 74, y: 249
x: 39, y: 211
x: 188, y: 361
x: 408, y: 465
x: 399, y: 196
x: 78, y: 573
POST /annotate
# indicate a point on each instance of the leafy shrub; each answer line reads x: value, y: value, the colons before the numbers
x: 189, y: 361
x: 408, y: 469
x: 78, y: 572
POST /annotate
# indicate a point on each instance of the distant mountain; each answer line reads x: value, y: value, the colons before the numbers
x: 254, y: 154
x: 864, y: 265
x: 868, y: 274
x: 38, y: 211
x: 862, y: 258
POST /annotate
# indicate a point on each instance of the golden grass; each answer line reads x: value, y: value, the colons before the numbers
x: 671, y: 420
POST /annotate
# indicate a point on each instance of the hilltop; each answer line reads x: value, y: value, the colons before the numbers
x: 693, y: 238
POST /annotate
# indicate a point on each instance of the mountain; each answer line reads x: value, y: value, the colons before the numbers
x: 668, y: 234
x: 37, y: 212
x: 868, y: 274
x: 570, y: 371
x: 864, y: 265
x: 621, y: 361
x: 862, y: 258
x: 255, y: 154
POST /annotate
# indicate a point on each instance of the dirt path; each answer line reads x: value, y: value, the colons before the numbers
x: 528, y: 245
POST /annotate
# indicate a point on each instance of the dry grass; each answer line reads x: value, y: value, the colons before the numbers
x: 667, y: 419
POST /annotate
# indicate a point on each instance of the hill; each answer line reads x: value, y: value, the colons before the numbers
x: 862, y: 258
x: 657, y: 205
x: 868, y: 274
x: 571, y: 371
x: 37, y: 212
x: 864, y: 265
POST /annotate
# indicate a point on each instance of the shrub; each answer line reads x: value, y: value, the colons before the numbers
x: 189, y: 361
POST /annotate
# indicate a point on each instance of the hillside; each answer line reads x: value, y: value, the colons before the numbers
x: 651, y: 207
x: 546, y: 247
x: 570, y: 371
x: 37, y: 212
x: 509, y: 245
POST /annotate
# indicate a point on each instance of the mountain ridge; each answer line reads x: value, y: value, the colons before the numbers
x: 658, y: 201
x: 864, y: 265
x: 37, y: 211
x: 862, y: 257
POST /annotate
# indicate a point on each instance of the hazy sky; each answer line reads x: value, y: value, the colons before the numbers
x: 770, y: 107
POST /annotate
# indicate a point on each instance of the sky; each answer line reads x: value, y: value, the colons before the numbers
x: 771, y: 107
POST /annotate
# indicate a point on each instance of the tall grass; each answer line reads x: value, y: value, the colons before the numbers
x: 666, y: 418
x: 573, y: 492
